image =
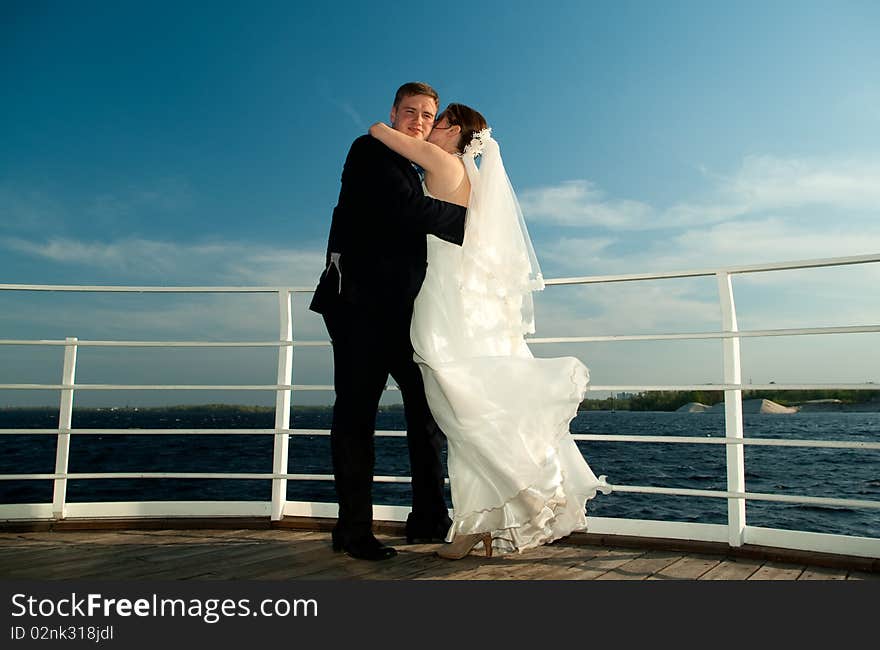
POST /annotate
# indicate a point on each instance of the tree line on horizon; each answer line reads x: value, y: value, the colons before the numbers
x: 673, y: 400
x: 647, y: 401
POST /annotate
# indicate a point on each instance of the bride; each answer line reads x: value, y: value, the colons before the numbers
x: 518, y: 480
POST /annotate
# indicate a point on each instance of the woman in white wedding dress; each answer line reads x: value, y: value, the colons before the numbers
x: 516, y: 475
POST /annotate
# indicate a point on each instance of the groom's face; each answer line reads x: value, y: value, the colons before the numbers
x: 414, y: 115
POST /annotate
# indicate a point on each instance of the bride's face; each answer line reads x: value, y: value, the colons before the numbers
x: 445, y: 136
x: 414, y: 115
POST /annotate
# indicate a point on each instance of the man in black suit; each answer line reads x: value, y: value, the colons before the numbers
x: 376, y: 262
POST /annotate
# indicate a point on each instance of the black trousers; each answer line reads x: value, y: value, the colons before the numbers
x: 366, y: 350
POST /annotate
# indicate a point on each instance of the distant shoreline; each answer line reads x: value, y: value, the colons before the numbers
x: 816, y: 406
x: 770, y: 407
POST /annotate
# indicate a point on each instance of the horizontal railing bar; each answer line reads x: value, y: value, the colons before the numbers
x: 152, y: 344
x: 104, y: 432
x: 135, y: 387
x: 292, y: 432
x: 749, y: 496
x: 761, y: 442
x: 855, y: 329
x: 148, y: 289
x: 766, y: 442
x: 302, y: 387
x: 330, y: 387
x: 329, y: 477
x: 189, y: 475
x: 167, y: 344
x: 752, y: 268
x: 631, y: 489
x: 720, y: 387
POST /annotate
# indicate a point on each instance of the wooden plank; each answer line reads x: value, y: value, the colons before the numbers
x: 271, y: 556
x: 642, y: 567
x: 225, y: 561
x: 590, y: 563
x: 11, y: 558
x: 198, y: 565
x: 550, y: 562
x: 598, y: 562
x: 338, y: 566
x: 423, y: 566
x: 407, y: 564
x: 543, y: 563
x: 210, y: 562
x: 44, y: 564
x: 290, y: 553
x: 822, y: 573
x: 53, y: 562
x: 66, y: 562
x: 412, y: 561
x: 420, y: 561
x: 70, y: 539
x: 127, y: 554
x: 497, y: 568
x: 533, y: 564
x: 312, y: 563
x: 690, y: 567
x: 777, y: 571
x: 862, y: 575
x: 732, y: 569
x: 20, y: 540
x: 108, y: 562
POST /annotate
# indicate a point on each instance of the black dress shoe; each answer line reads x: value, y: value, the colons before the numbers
x: 435, y: 533
x: 364, y: 548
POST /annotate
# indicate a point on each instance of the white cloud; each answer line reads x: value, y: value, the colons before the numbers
x: 573, y: 251
x: 615, y: 309
x: 773, y: 239
x: 28, y: 211
x: 627, y: 308
x: 355, y: 116
x: 761, y: 184
x: 135, y: 259
x: 331, y: 97
x: 581, y: 203
x: 167, y: 195
x: 768, y: 183
x: 809, y: 297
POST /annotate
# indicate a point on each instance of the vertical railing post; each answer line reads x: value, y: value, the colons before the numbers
x: 733, y: 416
x: 65, y: 419
x: 282, y: 404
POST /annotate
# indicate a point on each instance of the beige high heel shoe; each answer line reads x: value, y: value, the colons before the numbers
x: 461, y: 545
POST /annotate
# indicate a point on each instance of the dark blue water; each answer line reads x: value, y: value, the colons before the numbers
x: 840, y: 473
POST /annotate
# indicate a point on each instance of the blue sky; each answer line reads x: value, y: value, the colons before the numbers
x: 201, y: 143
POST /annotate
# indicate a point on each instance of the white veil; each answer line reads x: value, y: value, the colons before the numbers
x: 498, y: 260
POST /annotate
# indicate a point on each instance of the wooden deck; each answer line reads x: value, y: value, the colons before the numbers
x: 291, y: 553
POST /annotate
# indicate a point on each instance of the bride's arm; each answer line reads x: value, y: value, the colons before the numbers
x: 425, y: 154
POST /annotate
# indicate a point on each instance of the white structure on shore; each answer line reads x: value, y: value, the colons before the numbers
x: 748, y: 406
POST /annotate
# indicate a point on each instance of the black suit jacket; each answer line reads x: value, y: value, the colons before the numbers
x: 378, y: 229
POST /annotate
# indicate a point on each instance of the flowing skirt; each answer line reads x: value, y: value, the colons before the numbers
x: 514, y: 469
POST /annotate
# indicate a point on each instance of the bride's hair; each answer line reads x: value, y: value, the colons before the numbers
x: 468, y: 119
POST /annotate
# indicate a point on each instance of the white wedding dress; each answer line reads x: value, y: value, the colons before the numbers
x: 514, y: 469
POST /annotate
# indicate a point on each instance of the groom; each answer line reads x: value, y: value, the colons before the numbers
x: 376, y: 261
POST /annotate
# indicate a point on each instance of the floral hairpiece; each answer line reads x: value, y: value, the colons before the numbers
x: 475, y: 147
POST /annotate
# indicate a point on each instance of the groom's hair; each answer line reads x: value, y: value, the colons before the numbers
x: 415, y: 88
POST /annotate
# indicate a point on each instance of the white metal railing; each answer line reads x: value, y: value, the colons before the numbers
x: 735, y: 533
